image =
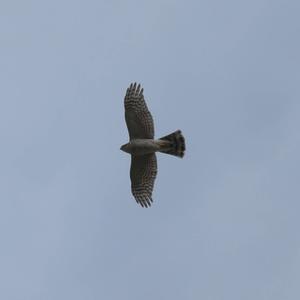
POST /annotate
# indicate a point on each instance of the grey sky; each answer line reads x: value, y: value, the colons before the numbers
x: 225, y: 219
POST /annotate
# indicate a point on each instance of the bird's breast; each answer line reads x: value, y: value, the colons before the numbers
x: 143, y: 146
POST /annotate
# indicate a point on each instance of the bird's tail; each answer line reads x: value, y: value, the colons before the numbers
x: 173, y: 144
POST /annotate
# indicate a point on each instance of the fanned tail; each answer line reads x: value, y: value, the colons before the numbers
x: 173, y: 144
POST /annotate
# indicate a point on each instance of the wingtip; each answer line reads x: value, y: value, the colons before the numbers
x: 138, y: 89
x: 145, y: 202
x: 135, y: 85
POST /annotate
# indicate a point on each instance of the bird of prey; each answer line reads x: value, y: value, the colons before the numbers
x: 142, y: 145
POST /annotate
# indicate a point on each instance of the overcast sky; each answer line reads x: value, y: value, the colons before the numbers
x: 225, y: 222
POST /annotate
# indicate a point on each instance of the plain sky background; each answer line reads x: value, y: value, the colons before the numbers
x: 225, y: 220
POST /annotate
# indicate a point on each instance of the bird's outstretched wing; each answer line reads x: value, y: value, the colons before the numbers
x: 138, y: 118
x: 143, y: 172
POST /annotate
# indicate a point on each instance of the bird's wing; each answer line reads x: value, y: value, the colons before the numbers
x: 143, y: 172
x: 138, y: 118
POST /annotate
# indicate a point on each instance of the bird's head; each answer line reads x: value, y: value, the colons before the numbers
x: 125, y: 148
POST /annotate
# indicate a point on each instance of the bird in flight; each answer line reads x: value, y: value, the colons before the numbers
x: 142, y: 145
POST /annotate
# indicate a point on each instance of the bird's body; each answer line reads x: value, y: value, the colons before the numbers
x: 142, y: 145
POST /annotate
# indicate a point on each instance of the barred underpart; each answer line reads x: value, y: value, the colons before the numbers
x: 138, y: 118
x: 140, y: 126
x: 143, y: 173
